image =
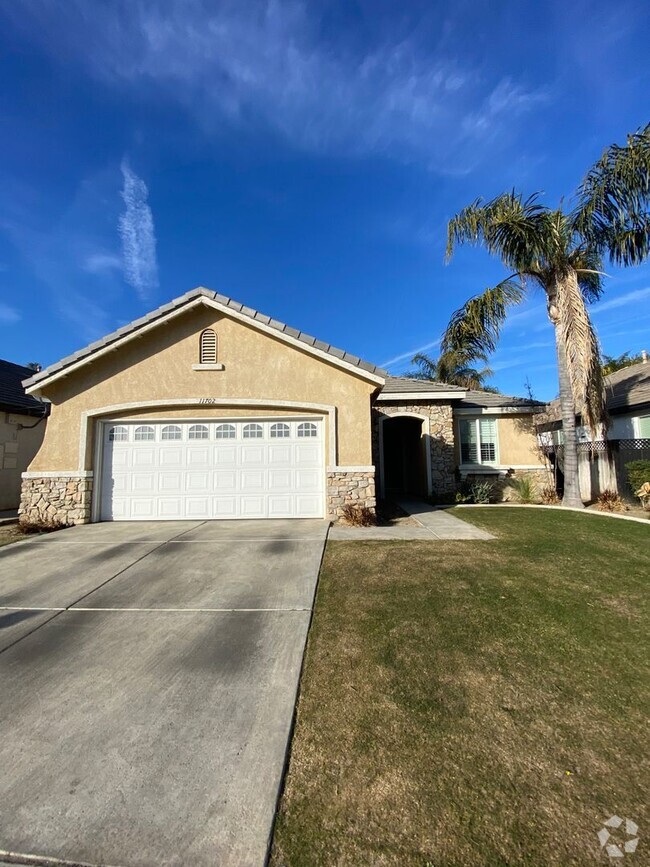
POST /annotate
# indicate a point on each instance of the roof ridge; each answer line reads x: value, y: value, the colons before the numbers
x: 224, y: 301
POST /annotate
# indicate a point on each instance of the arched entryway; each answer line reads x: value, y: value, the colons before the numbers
x: 404, y: 464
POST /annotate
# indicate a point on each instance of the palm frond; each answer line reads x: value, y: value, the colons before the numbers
x: 588, y: 264
x: 582, y: 351
x: 475, y: 327
x: 508, y: 226
x: 613, y: 201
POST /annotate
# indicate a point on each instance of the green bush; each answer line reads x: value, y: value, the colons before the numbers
x: 638, y: 472
x: 482, y: 492
x: 523, y: 488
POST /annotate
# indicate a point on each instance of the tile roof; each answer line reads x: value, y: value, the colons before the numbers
x: 625, y: 390
x: 399, y: 384
x: 487, y: 399
x: 190, y: 296
x: 12, y: 393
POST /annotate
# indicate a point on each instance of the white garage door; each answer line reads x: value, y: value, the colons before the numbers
x: 244, y: 468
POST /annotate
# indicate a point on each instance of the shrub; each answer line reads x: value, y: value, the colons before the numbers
x: 482, y: 492
x: 43, y: 526
x: 359, y: 516
x: 638, y: 472
x: 549, y: 496
x: 523, y: 488
x: 609, y: 501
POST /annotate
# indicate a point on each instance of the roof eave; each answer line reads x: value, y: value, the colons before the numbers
x: 228, y: 307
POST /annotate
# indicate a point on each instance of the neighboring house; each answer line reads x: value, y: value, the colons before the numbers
x: 22, y: 426
x: 208, y: 409
x: 628, y: 433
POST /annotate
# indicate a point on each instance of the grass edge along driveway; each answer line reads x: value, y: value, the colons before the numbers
x: 473, y: 703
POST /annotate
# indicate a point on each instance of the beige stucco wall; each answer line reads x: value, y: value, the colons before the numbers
x: 518, y: 441
x: 17, y: 449
x: 158, y: 366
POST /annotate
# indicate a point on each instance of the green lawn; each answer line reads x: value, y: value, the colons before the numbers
x: 472, y: 703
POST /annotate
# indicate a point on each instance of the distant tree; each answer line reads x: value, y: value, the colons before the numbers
x: 33, y: 365
x: 560, y: 251
x: 612, y: 363
x: 454, y: 368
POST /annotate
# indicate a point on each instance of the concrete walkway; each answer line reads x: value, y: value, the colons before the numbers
x: 431, y: 524
x: 441, y: 523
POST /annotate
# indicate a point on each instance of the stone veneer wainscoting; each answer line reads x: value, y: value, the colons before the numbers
x: 349, y: 488
x: 441, y: 438
x: 64, y: 499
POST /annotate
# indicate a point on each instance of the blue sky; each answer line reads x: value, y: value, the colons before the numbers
x: 302, y: 157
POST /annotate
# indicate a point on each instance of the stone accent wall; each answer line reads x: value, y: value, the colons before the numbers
x: 349, y: 488
x: 441, y: 438
x: 61, y: 499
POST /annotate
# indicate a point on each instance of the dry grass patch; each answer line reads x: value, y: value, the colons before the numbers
x: 472, y: 702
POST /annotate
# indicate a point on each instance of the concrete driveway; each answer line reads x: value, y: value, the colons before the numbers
x: 149, y: 674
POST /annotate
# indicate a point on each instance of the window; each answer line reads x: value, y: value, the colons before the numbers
x: 171, y: 432
x: 225, y: 432
x: 144, y: 433
x: 208, y: 347
x: 307, y: 429
x: 118, y: 435
x: 279, y: 430
x: 478, y: 441
x: 252, y: 431
x: 198, y: 432
x: 644, y: 427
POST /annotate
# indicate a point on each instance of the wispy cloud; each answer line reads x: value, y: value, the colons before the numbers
x: 276, y: 64
x: 8, y: 314
x: 409, y: 355
x: 628, y: 298
x: 99, y: 263
x: 138, y: 235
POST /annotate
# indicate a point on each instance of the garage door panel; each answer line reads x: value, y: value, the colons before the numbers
x: 281, y: 480
x: 144, y: 457
x: 224, y: 507
x: 171, y: 457
x: 308, y: 454
x: 253, y: 455
x: 225, y: 456
x: 169, y: 483
x: 198, y: 482
x: 198, y: 456
x: 252, y: 507
x: 143, y: 483
x: 280, y: 456
x: 253, y: 480
x: 271, y: 476
x: 143, y: 507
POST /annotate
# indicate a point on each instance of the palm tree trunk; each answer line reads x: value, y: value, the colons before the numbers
x: 571, y: 496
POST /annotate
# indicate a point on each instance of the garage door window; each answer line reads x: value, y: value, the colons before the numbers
x: 225, y: 432
x: 118, y: 435
x: 199, y: 432
x: 253, y: 431
x: 144, y: 434
x: 307, y: 429
x: 171, y: 432
x: 279, y: 430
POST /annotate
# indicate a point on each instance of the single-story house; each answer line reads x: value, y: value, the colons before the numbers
x: 601, y: 464
x: 206, y: 408
x: 22, y: 426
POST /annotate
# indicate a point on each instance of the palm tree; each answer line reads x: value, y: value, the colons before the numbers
x: 454, y: 368
x: 561, y: 251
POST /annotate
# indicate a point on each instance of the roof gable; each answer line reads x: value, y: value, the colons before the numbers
x: 229, y: 307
